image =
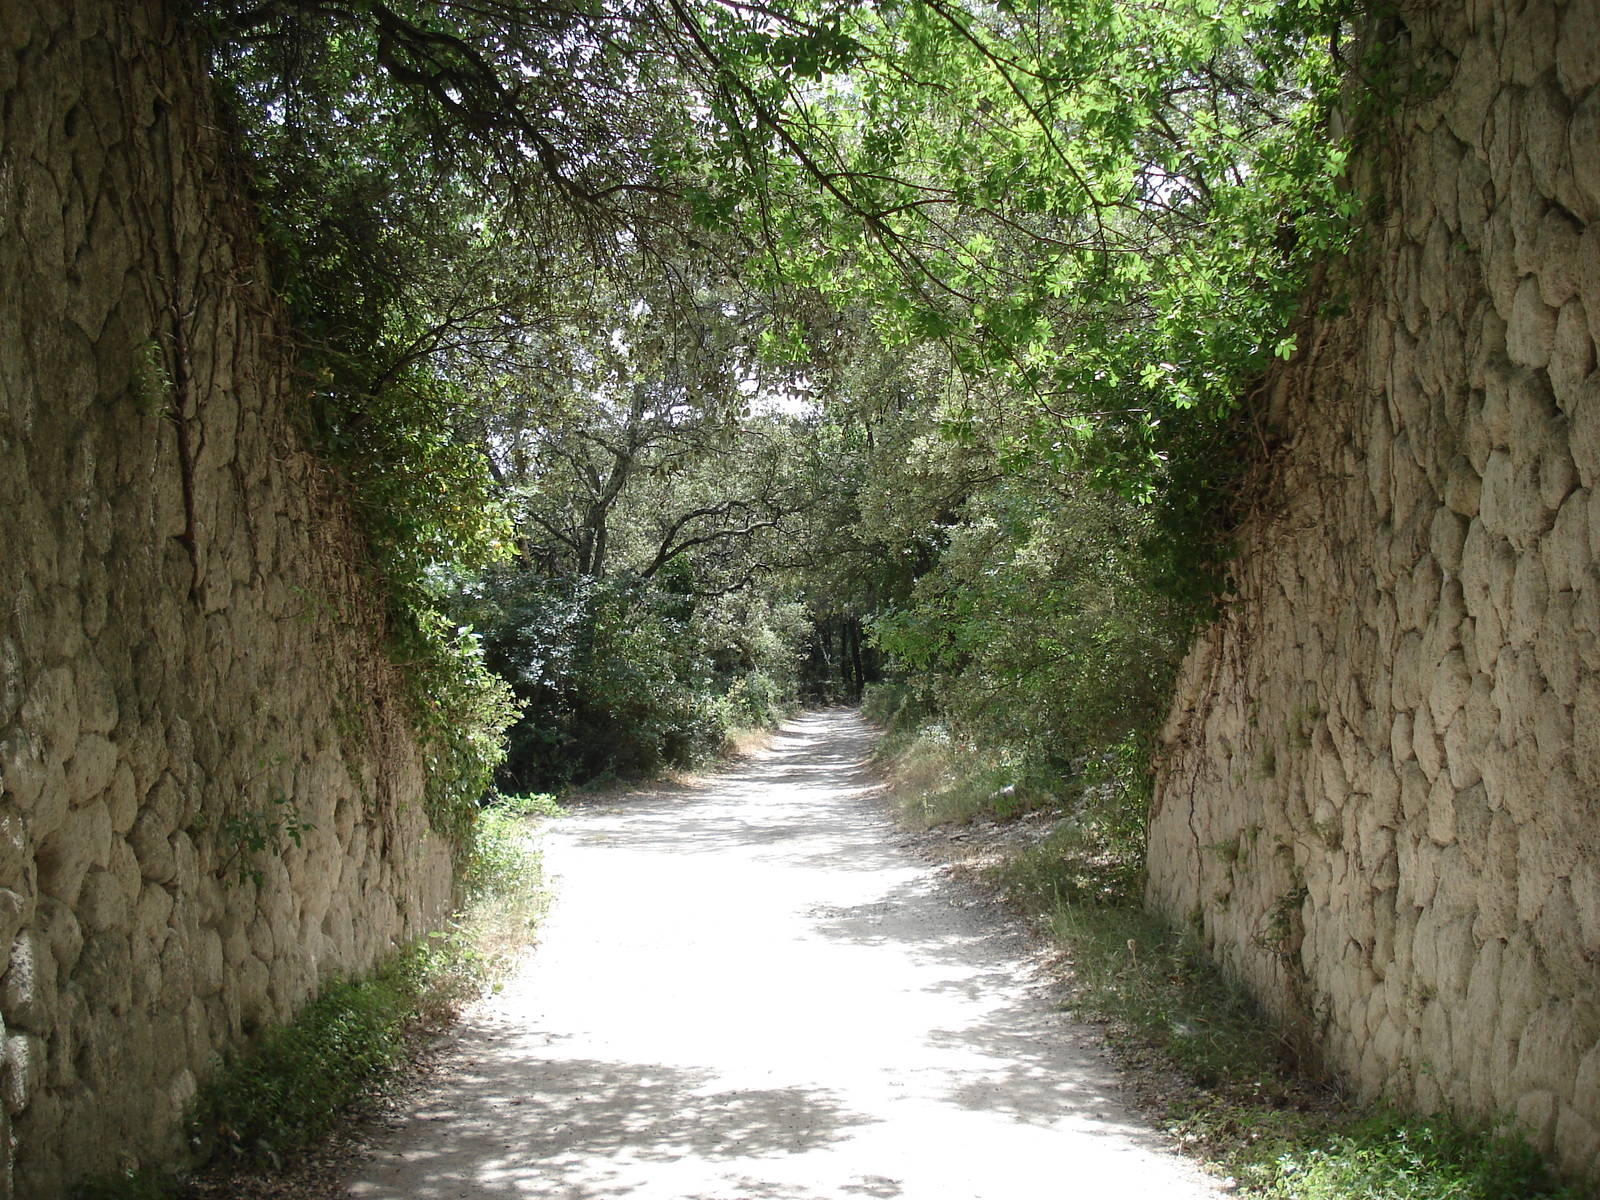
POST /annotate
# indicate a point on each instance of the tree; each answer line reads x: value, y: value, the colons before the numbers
x: 541, y: 257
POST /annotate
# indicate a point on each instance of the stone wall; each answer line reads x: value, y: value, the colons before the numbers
x: 187, y: 655
x: 1380, y: 798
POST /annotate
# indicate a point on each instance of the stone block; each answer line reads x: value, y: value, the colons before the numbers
x: 1536, y: 1117
x: 1497, y: 499
x: 176, y: 969
x: 1556, y: 476
x: 1460, y: 755
x: 1542, y: 858
x: 122, y: 799
x: 152, y: 911
x: 1583, y: 140
x: 50, y: 711
x: 1473, y: 819
x: 1586, y: 732
x: 1406, y: 685
x: 1572, y: 355
x: 1409, y: 411
x: 164, y: 803
x: 1565, y: 549
x: 105, y: 971
x: 1497, y: 894
x: 1530, y: 597
x: 1455, y: 953
x: 1479, y: 661
x: 209, y: 963
x: 1577, y: 1137
x: 186, y: 864
x: 1449, y: 688
x: 28, y: 988
x: 1552, y: 732
x: 1556, y: 648
x: 1417, y: 598
x: 1414, y: 789
x: 1578, y: 49
x: 1448, y: 533
x: 1545, y: 115
x: 82, y: 842
x: 58, y: 926
x: 97, y: 698
x: 152, y: 848
x: 1533, y: 427
x: 1454, y: 895
x: 22, y: 1070
x: 1530, y: 44
x: 253, y: 982
x: 234, y: 932
x: 260, y: 937
x: 1439, y: 816
x: 1586, y: 274
x: 124, y: 866
x: 1518, y: 685
x: 1462, y: 487
x: 105, y: 905
x: 1477, y: 552
x: 1555, y: 258
x: 1584, y: 431
x: 1441, y: 634
x: 16, y: 856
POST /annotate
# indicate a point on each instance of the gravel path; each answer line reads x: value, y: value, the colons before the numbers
x: 749, y: 989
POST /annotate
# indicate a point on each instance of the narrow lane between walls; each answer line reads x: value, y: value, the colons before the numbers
x: 748, y: 989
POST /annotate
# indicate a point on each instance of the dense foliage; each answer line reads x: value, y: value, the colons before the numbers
x: 686, y: 356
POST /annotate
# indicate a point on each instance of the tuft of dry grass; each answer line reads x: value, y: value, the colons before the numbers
x: 740, y: 742
x: 506, y: 897
x: 934, y: 779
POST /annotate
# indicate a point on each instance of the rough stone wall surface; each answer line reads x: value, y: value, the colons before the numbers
x: 1380, y: 799
x: 186, y: 654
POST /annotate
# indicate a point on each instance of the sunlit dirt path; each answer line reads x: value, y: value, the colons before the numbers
x: 747, y: 989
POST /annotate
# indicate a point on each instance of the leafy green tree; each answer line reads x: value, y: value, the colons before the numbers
x: 1024, y: 257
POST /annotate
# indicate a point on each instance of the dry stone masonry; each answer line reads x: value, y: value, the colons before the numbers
x: 187, y: 656
x: 1380, y: 799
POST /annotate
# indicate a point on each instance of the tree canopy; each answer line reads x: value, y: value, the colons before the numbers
x: 671, y: 341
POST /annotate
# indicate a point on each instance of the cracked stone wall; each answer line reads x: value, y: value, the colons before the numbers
x: 1380, y: 800
x: 186, y: 652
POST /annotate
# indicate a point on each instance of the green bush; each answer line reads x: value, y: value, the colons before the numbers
x: 894, y: 705
x: 502, y: 859
x: 285, y: 1091
x: 605, y: 671
x: 1387, y: 1156
x: 754, y: 701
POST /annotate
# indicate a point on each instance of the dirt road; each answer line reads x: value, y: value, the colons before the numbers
x: 749, y: 990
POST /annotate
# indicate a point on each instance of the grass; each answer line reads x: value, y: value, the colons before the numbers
x: 1253, y: 1105
x: 940, y: 780
x: 1386, y: 1156
x: 287, y: 1089
x: 505, y: 896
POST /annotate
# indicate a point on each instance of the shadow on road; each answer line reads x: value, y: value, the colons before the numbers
x: 512, y: 1120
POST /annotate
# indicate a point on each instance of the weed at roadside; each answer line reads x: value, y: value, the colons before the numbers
x: 939, y: 780
x: 1386, y: 1156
